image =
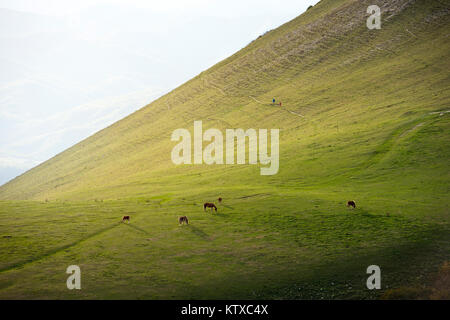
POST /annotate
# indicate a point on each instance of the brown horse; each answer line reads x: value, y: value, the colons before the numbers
x: 125, y: 218
x: 351, y: 203
x: 183, y: 219
x: 220, y: 200
x: 209, y: 205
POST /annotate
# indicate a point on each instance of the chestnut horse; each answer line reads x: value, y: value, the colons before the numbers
x: 220, y: 200
x: 183, y: 219
x: 209, y: 205
x: 351, y: 203
x: 126, y: 218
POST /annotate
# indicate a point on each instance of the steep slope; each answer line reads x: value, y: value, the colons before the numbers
x: 364, y: 116
x: 352, y: 102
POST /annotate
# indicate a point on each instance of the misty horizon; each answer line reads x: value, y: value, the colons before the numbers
x: 70, y: 72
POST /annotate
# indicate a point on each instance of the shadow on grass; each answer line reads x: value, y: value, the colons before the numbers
x: 135, y: 227
x: 366, y: 214
x: 341, y: 276
x: 58, y: 249
x: 226, y: 206
x: 219, y: 214
x: 198, y: 232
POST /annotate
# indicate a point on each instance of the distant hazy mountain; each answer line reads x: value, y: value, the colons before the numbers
x: 52, y: 65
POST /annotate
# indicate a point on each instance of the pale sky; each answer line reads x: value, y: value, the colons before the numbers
x: 71, y: 68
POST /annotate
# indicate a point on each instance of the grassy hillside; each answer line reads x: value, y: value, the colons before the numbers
x: 364, y: 116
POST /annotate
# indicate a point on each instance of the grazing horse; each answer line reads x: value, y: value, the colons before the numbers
x: 351, y: 203
x: 183, y: 219
x: 209, y: 205
x: 220, y: 200
x: 125, y: 218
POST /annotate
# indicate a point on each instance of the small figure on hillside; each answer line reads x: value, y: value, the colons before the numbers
x: 273, y: 101
x: 220, y: 200
x: 280, y: 104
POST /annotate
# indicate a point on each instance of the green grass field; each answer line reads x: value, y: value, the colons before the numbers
x: 364, y: 117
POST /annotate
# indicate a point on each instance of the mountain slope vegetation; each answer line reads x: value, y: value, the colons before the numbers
x: 364, y: 117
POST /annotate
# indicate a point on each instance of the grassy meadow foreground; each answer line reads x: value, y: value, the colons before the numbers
x: 364, y: 117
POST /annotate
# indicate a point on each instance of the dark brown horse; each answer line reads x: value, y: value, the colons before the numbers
x: 125, y: 218
x: 209, y: 205
x: 220, y: 200
x: 351, y: 203
x: 183, y: 219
